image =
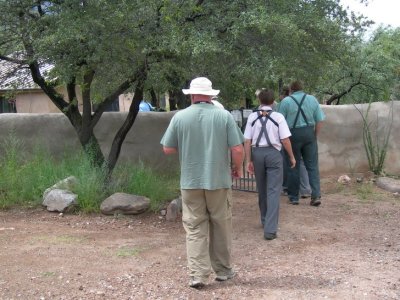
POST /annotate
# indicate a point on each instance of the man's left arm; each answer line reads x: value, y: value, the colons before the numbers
x: 318, y: 126
x: 170, y: 150
x: 319, y: 117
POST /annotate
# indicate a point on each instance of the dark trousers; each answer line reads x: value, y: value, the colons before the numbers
x: 304, y: 144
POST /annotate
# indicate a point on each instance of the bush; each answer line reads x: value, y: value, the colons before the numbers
x: 23, y: 181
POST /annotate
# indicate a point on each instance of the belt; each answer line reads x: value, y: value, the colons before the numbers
x: 263, y: 146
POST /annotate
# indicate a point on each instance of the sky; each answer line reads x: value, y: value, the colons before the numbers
x: 384, y: 12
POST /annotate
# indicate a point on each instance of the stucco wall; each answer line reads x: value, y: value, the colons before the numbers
x: 340, y: 143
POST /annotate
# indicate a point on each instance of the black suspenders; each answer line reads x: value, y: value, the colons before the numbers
x: 300, y: 110
x: 261, y: 114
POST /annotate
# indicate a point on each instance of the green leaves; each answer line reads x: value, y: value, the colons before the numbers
x: 240, y: 44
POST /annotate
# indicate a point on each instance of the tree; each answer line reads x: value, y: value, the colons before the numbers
x: 103, y: 47
x: 100, y: 49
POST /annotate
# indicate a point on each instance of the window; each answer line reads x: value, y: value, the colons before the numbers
x: 7, y: 106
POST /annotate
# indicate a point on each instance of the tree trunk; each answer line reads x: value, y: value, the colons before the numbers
x: 126, y: 126
x: 280, y: 85
x: 172, y: 100
x: 155, y: 102
x: 93, y: 152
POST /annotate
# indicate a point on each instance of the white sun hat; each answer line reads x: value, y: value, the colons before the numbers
x: 201, y: 86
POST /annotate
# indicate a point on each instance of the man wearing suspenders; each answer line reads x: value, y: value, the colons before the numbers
x: 304, y: 117
x: 266, y: 131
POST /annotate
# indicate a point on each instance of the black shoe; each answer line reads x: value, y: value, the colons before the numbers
x: 196, y: 284
x: 294, y: 202
x: 315, y: 202
x: 270, y: 236
x: 226, y: 277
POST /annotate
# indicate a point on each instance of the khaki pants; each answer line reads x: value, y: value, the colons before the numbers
x: 207, y: 219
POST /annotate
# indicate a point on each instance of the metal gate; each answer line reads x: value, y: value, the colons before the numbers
x: 246, y: 183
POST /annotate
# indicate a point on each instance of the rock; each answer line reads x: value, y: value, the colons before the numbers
x: 179, y: 203
x: 125, y: 204
x: 389, y: 184
x: 66, y: 184
x: 344, y: 179
x: 60, y: 200
x: 172, y: 211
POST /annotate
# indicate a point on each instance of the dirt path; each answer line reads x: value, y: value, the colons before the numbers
x: 349, y: 248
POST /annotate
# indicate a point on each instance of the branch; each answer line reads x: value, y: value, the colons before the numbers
x: 127, y: 125
x: 86, y: 97
x: 37, y: 77
x: 114, y: 95
x: 13, y: 60
x: 40, y: 9
x: 72, y: 110
x: 193, y: 17
x: 338, y: 96
x: 371, y: 87
x: 71, y: 90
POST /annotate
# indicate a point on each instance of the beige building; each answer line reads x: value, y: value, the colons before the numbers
x: 19, y: 94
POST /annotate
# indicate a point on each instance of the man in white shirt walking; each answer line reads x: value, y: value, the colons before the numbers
x: 266, y: 131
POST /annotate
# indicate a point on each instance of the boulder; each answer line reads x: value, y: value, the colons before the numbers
x: 66, y: 184
x: 389, y: 184
x: 126, y: 204
x: 60, y: 200
x: 174, y: 209
x: 344, y: 179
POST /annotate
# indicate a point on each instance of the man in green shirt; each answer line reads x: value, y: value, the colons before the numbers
x: 304, y: 117
x: 206, y: 139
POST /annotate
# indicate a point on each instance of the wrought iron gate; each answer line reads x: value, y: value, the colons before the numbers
x: 246, y: 183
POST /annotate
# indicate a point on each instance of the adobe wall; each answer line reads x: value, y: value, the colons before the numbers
x: 341, y: 147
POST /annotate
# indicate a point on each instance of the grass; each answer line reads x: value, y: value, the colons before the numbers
x: 23, y: 180
x: 48, y: 274
x: 56, y: 240
x: 127, y: 252
x: 146, y: 182
x: 365, y: 191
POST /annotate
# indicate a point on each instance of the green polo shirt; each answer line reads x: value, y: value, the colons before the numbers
x: 310, y: 106
x: 203, y: 135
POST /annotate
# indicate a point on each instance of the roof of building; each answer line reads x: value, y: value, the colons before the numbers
x: 18, y: 77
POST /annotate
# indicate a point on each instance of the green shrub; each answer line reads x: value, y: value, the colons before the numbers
x: 23, y: 181
x: 141, y: 180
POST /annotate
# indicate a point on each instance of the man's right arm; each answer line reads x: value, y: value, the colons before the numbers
x: 288, y: 147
